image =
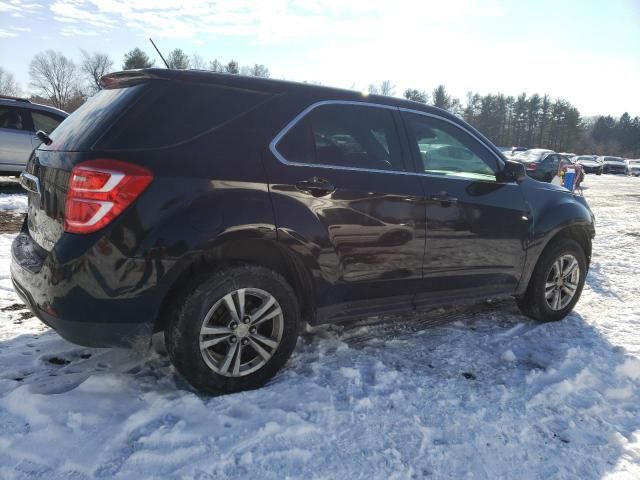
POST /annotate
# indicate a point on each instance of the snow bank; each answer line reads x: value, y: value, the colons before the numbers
x: 474, y: 392
x: 13, y: 202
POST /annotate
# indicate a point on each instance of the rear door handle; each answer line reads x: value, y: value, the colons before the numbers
x: 318, y: 187
x: 444, y: 198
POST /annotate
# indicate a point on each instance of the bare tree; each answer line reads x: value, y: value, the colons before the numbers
x: 216, y: 66
x: 8, y: 84
x: 197, y: 62
x: 387, y: 88
x: 53, y: 76
x: 94, y: 66
x: 373, y: 89
x: 259, y: 70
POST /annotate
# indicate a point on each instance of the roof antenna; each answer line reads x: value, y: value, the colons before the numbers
x: 154, y: 46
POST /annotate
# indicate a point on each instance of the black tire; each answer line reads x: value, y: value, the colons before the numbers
x: 534, y: 304
x: 189, y: 312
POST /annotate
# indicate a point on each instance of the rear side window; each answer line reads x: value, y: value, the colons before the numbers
x: 348, y: 136
x: 45, y: 122
x: 13, y: 118
x: 167, y: 113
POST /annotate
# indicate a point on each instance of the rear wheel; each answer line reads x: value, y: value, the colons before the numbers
x: 556, y: 283
x: 235, y: 330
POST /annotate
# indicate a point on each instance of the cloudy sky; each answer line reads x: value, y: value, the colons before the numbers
x: 587, y: 51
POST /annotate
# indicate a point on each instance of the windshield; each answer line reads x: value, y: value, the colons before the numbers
x: 533, y: 155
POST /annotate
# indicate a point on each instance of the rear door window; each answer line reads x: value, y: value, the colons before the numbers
x: 45, y: 122
x: 345, y: 135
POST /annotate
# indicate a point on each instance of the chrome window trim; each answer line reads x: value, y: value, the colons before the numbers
x: 301, y: 115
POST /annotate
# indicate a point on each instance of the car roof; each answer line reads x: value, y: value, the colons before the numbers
x: 267, y: 84
x: 29, y: 105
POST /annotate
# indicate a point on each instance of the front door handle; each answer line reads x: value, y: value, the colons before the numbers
x: 444, y: 198
x: 318, y: 187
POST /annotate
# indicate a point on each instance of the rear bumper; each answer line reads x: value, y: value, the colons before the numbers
x: 76, y: 300
x: 85, y: 332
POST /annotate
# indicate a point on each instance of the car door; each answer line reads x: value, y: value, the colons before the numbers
x: 346, y: 201
x: 15, y: 138
x: 551, y: 165
x: 477, y: 227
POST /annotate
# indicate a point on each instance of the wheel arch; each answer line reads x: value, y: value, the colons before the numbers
x: 566, y: 220
x: 254, y: 251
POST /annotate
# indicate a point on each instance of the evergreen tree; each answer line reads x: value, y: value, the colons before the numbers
x: 232, y: 67
x: 136, y: 58
x: 178, y: 60
x: 415, y: 95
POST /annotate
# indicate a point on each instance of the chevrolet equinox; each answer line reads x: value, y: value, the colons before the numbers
x: 224, y: 210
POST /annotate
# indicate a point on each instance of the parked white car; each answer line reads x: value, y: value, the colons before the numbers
x: 633, y: 167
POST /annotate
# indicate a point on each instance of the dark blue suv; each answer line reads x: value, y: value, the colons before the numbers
x: 225, y: 210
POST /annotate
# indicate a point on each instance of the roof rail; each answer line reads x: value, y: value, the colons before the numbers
x: 17, y: 99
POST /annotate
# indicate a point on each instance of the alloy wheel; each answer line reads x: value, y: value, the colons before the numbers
x: 562, y: 282
x: 241, y: 332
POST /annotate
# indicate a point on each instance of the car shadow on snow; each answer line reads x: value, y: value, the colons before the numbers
x: 451, y: 391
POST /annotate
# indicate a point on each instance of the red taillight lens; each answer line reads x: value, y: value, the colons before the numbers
x: 532, y: 166
x: 99, y: 190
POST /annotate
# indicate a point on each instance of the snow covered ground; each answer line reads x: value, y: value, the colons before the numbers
x: 467, y: 392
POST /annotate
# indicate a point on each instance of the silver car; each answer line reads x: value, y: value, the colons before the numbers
x: 19, y: 121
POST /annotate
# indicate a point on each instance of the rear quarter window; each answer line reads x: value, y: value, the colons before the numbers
x: 169, y: 113
x: 81, y: 129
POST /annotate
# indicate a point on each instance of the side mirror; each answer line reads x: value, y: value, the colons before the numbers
x: 512, y: 172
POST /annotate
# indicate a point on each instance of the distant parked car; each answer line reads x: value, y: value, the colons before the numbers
x: 19, y: 121
x: 590, y: 164
x: 542, y: 164
x: 613, y: 165
x: 633, y: 167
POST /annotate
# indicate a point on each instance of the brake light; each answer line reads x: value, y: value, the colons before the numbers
x: 99, y: 191
x: 531, y: 167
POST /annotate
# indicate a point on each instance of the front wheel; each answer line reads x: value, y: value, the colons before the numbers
x: 556, y: 283
x: 234, y: 330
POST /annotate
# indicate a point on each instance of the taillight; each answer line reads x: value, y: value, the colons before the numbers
x: 531, y: 167
x: 99, y: 190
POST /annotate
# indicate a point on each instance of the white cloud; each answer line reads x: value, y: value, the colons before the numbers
x: 274, y: 21
x: 7, y: 33
x: 16, y: 6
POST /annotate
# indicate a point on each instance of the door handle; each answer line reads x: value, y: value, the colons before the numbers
x: 444, y: 198
x: 318, y: 187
